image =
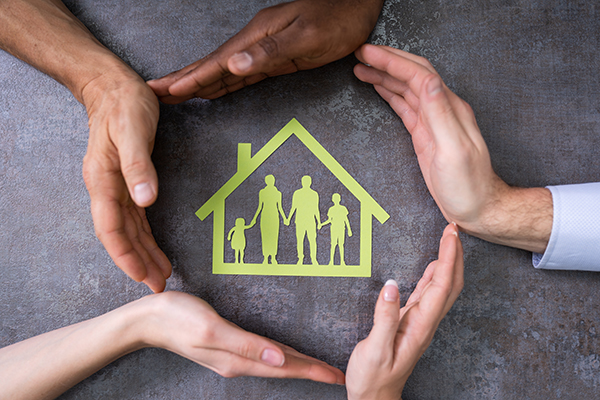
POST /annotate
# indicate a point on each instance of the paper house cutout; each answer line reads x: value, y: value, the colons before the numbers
x: 246, y: 165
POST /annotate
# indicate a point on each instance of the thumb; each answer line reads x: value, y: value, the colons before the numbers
x: 230, y: 337
x: 137, y: 168
x: 439, y: 113
x: 387, y: 317
x: 271, y: 53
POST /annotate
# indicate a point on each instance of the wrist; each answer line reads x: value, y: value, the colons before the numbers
x: 515, y: 217
x: 127, y: 326
x: 113, y: 75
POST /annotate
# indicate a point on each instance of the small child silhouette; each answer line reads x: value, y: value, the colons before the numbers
x: 337, y: 216
x: 238, y: 239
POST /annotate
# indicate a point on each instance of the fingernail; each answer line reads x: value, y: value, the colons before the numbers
x: 390, y: 291
x: 273, y: 358
x: 143, y: 193
x: 241, y: 61
x: 434, y: 86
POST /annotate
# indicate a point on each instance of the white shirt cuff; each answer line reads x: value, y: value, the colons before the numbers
x: 575, y: 239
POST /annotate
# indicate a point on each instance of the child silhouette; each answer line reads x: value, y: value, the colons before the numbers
x: 337, y: 216
x: 238, y: 239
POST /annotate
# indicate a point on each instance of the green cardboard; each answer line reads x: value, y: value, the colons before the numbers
x: 304, y: 208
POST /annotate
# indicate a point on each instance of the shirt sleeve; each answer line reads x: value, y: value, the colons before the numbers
x: 575, y: 239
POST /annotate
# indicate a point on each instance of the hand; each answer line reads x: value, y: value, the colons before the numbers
x: 452, y: 154
x: 288, y: 37
x: 380, y: 365
x: 188, y: 326
x: 119, y: 174
x: 47, y: 365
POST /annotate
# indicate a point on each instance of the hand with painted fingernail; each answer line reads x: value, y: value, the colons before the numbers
x: 381, y: 364
x: 453, y: 155
x: 282, y: 39
x: 119, y: 174
x: 190, y: 327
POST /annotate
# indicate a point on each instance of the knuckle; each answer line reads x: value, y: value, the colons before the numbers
x: 205, y: 333
x: 269, y: 46
x: 244, y: 349
x: 427, y: 63
x: 135, y: 167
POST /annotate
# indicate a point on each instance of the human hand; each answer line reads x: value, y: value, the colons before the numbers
x: 120, y: 176
x: 188, y: 326
x: 452, y: 154
x: 282, y: 39
x: 380, y: 365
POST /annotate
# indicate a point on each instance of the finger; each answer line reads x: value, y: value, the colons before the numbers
x: 448, y: 133
x: 400, y: 67
x: 380, y: 78
x: 230, y: 337
x: 110, y: 229
x: 147, y: 240
x: 133, y: 136
x: 398, y: 103
x: 413, y: 57
x: 385, y: 323
x: 231, y: 365
x: 458, y: 260
x: 273, y: 52
x: 134, y: 229
x: 441, y: 292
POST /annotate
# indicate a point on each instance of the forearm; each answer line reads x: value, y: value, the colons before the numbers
x: 45, y: 34
x: 518, y: 217
x: 45, y: 366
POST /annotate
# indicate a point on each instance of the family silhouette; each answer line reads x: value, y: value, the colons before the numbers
x: 305, y: 207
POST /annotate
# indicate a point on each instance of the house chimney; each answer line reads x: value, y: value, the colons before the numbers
x: 244, y: 156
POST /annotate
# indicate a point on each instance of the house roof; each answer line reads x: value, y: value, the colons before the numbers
x: 247, y: 165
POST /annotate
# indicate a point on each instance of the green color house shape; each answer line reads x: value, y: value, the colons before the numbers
x: 246, y: 165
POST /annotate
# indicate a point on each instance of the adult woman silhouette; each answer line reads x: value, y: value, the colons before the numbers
x: 269, y: 209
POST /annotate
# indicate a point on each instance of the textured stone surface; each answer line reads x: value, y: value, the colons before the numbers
x: 530, y: 72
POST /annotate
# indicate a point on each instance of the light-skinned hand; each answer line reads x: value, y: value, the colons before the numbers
x: 120, y: 176
x: 188, y: 326
x: 452, y: 153
x: 45, y: 366
x: 380, y: 365
x: 279, y: 40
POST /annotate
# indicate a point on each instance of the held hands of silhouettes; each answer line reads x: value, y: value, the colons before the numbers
x: 188, y: 326
x: 282, y: 39
x: 120, y: 176
x: 451, y: 152
x: 380, y: 365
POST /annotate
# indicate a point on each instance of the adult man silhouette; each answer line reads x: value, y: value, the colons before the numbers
x: 337, y: 216
x: 305, y: 203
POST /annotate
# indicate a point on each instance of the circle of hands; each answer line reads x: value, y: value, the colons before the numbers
x: 122, y: 181
x: 120, y: 177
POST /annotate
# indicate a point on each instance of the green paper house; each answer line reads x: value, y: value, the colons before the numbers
x: 246, y: 165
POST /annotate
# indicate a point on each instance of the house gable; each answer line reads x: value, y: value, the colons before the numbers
x: 246, y: 165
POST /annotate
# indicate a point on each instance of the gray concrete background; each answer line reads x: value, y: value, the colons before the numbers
x: 528, y: 68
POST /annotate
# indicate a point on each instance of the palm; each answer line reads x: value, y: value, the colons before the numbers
x: 122, y: 127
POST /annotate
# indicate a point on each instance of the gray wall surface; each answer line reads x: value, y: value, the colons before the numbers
x: 529, y: 69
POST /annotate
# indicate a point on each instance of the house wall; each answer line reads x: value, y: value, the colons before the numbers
x: 528, y: 69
